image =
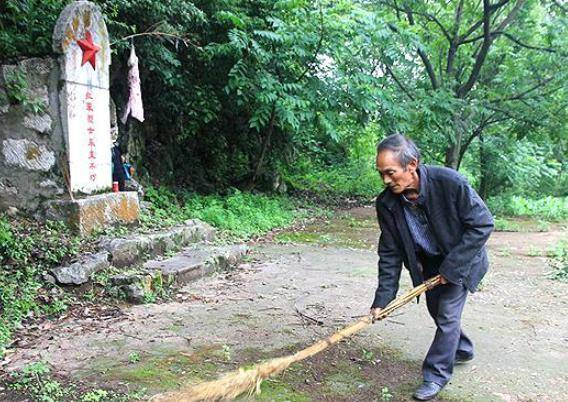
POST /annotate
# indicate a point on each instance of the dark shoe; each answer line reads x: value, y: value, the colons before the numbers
x: 462, y: 358
x: 427, y: 391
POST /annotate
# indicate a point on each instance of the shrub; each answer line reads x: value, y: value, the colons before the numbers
x: 240, y: 214
x: 551, y: 208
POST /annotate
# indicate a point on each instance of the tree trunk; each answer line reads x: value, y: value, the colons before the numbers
x: 454, y: 146
x: 264, y: 151
x: 483, y: 179
x: 452, y: 155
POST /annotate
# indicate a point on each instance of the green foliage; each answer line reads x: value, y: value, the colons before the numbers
x: 98, y: 395
x: 341, y: 169
x: 18, y: 92
x: 358, y: 179
x: 559, y: 261
x: 35, y: 380
x: 240, y: 214
x: 134, y: 357
x: 550, y: 208
x: 246, y: 88
x: 27, y: 27
x: 505, y: 225
x: 28, y: 250
x: 386, y: 394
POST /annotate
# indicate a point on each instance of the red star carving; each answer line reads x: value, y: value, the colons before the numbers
x: 89, y: 49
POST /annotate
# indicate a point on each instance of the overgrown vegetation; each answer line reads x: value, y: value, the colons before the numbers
x: 559, y: 261
x: 27, y: 251
x: 240, y: 214
x: 37, y: 382
x: 549, y: 208
x: 18, y: 92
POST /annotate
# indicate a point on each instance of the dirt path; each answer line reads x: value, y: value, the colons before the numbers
x: 327, y: 272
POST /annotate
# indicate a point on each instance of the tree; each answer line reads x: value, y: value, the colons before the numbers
x: 468, y: 66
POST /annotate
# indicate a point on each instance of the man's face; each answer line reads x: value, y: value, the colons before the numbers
x: 397, y: 178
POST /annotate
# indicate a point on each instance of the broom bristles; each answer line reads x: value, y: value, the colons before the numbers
x: 235, y: 383
x: 230, y: 385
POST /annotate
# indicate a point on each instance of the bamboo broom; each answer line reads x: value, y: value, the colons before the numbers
x: 235, y: 383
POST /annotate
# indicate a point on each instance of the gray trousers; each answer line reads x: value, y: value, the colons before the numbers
x: 445, y: 304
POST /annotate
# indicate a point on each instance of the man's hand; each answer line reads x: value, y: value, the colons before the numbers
x: 443, y: 280
x: 376, y: 312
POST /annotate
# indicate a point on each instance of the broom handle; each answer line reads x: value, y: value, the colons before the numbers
x: 367, y: 320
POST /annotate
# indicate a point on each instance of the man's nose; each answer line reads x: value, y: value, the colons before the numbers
x: 387, y: 180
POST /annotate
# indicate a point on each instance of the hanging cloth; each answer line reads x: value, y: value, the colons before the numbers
x: 134, y: 105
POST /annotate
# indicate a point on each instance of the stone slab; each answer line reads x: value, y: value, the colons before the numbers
x: 80, y: 272
x: 96, y: 212
x: 197, y: 261
x: 136, y: 248
x: 190, y: 264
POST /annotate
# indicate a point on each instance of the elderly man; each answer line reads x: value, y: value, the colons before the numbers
x: 435, y: 223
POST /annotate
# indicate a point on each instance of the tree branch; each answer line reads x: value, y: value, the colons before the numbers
x: 429, y: 69
x: 454, y: 42
x: 522, y: 95
x: 428, y: 16
x: 424, y: 56
x: 518, y: 42
x: 158, y: 34
x: 397, y: 81
x: 480, y: 58
x: 488, y: 9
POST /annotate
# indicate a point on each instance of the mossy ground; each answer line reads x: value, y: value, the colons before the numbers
x: 343, y: 373
x: 345, y: 231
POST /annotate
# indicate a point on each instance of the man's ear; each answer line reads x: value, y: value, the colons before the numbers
x: 413, y: 165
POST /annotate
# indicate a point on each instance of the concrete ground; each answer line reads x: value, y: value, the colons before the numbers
x: 301, y: 285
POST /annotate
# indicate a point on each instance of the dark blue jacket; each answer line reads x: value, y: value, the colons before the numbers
x: 459, y: 220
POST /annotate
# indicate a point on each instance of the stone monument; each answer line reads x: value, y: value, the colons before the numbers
x: 55, y: 129
x: 81, y: 37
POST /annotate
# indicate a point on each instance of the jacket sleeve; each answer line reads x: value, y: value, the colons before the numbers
x: 477, y: 222
x: 390, y: 266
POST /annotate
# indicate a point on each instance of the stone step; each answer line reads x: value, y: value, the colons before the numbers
x: 190, y: 264
x: 132, y: 250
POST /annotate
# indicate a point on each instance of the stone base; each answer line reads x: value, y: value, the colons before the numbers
x: 95, y: 212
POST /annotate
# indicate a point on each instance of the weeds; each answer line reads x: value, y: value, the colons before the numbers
x: 559, y: 262
x: 27, y: 251
x: 356, y: 178
x: 241, y: 214
x: 19, y: 93
x: 134, y: 357
x: 549, y: 208
x: 504, y: 225
x: 36, y: 381
x: 386, y: 394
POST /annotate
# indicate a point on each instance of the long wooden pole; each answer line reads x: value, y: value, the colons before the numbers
x: 235, y: 383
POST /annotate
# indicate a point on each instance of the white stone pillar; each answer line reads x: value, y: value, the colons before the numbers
x: 81, y: 38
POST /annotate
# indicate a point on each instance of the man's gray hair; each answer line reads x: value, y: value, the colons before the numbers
x: 404, y: 148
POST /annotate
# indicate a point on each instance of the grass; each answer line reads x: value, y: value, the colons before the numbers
x: 239, y: 214
x: 352, y: 179
x: 36, y: 381
x: 27, y: 251
x: 505, y: 225
x: 559, y: 261
x: 546, y: 208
